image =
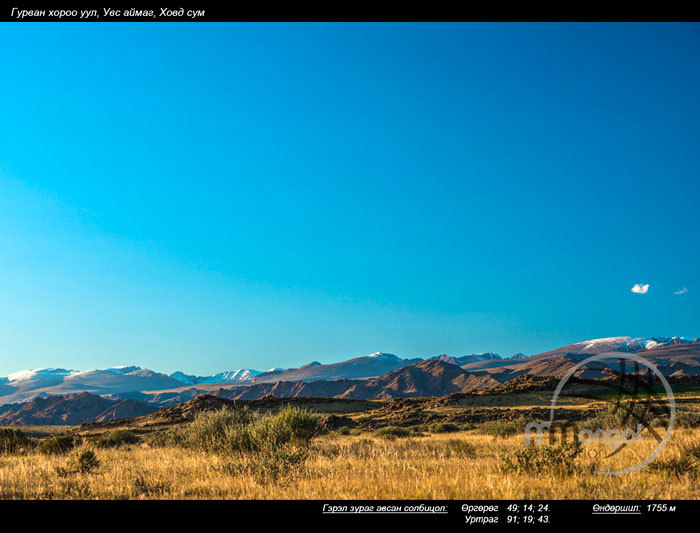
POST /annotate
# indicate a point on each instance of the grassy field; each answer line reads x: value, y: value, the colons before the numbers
x: 395, y: 450
x: 454, y: 466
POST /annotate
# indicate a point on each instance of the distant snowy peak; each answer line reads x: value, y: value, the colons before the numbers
x: 39, y: 378
x: 466, y: 359
x: 187, y: 379
x: 487, y: 356
x: 518, y: 355
x: 626, y: 344
x: 241, y: 375
x: 122, y: 369
x: 61, y: 374
x: 40, y: 374
x: 382, y: 355
x: 484, y: 356
x: 446, y: 359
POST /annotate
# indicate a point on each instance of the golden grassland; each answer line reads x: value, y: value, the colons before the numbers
x: 462, y: 465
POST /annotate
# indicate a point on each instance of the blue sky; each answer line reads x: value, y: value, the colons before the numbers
x: 205, y: 197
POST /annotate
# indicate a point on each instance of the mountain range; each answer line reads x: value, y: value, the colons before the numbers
x: 121, y: 380
x: 24, y: 395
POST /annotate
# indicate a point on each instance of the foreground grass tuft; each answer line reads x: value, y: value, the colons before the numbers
x: 675, y: 466
x: 533, y: 459
x: 60, y: 444
x: 443, y: 427
x: 393, y: 432
x: 687, y: 419
x: 81, y: 462
x: 621, y: 415
x: 11, y: 440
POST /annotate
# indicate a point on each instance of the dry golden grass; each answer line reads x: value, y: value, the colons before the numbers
x: 429, y: 467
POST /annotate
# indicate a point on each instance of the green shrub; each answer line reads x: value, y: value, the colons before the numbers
x: 207, y: 430
x: 265, y: 445
x: 288, y: 425
x: 11, y: 440
x: 239, y: 431
x: 687, y: 419
x: 58, y: 444
x: 443, y: 427
x: 504, y: 428
x: 535, y: 459
x: 620, y: 415
x: 116, y: 438
x: 461, y: 448
x: 692, y: 450
x: 83, y: 462
x: 272, y: 431
x: 160, y: 438
x: 393, y: 432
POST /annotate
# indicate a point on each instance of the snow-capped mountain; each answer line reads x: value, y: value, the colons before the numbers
x: 241, y: 375
x: 485, y: 356
x: 122, y: 369
x: 50, y: 375
x: 366, y: 366
x: 622, y: 344
x: 38, y: 375
x: 25, y: 385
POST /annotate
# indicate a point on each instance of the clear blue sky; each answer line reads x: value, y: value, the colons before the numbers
x: 204, y: 197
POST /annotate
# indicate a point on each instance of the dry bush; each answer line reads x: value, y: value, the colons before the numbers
x: 534, y: 459
x: 59, y: 444
x: 116, y: 438
x: 12, y: 440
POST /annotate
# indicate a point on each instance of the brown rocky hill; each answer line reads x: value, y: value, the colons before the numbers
x: 425, y: 378
x: 208, y: 402
x: 73, y: 409
x: 291, y: 389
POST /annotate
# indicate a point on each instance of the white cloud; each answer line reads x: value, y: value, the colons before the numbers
x: 640, y: 289
x: 681, y: 291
